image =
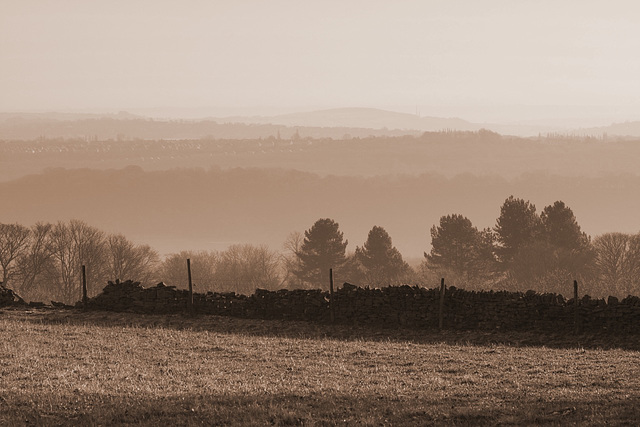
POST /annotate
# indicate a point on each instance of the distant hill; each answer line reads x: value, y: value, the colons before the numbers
x: 335, y: 123
x: 369, y: 118
x: 630, y: 129
x: 21, y: 117
x: 127, y: 127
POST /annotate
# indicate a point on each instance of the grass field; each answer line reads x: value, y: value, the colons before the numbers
x: 70, y: 367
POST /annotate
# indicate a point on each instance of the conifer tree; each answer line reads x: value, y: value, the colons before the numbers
x: 323, y: 248
x: 381, y: 263
x: 517, y: 227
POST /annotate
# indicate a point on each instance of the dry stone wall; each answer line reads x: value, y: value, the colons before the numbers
x: 402, y: 306
x: 9, y: 298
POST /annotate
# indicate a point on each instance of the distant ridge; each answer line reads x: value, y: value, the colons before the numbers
x: 329, y: 123
x: 61, y: 116
x: 630, y: 129
x: 369, y: 118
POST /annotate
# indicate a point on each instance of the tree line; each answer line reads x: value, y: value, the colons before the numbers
x: 43, y: 262
x: 524, y: 250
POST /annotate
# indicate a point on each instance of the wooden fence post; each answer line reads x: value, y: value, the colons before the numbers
x: 190, y: 303
x: 331, y: 304
x: 576, y: 307
x: 441, y: 310
x: 84, y: 287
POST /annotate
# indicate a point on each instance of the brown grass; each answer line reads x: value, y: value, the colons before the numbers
x: 70, y: 367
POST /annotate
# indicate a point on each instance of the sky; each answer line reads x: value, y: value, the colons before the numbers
x: 480, y: 60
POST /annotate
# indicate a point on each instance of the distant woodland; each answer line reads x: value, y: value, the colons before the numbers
x: 445, y: 153
x: 199, y: 209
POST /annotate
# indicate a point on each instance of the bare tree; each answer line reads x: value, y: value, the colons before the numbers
x: 35, y: 268
x: 14, y: 240
x: 633, y: 261
x: 617, y: 263
x: 73, y: 245
x: 173, y: 270
x: 244, y: 268
x: 128, y: 261
x: 266, y: 266
x: 611, y: 249
x: 291, y: 262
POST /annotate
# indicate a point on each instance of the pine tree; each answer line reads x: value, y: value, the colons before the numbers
x: 454, y: 245
x: 381, y: 262
x: 561, y: 228
x: 517, y: 226
x: 460, y: 248
x: 323, y: 248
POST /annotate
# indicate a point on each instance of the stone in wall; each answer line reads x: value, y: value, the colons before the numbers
x: 9, y: 298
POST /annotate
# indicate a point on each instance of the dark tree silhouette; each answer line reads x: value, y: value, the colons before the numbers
x: 381, y: 263
x: 560, y: 254
x: 458, y: 246
x: 561, y: 228
x: 517, y: 226
x: 323, y: 248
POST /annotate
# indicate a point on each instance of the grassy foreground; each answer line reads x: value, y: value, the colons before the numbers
x: 70, y: 367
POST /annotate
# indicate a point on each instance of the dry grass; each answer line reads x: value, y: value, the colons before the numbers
x: 69, y: 367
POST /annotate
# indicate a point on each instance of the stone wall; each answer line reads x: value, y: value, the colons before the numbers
x: 9, y: 298
x: 405, y: 306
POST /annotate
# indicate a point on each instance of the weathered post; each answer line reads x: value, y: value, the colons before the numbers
x: 332, y: 312
x: 441, y: 310
x: 84, y: 287
x: 190, y: 303
x: 576, y: 308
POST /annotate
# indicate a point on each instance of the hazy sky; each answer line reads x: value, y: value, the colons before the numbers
x: 115, y: 54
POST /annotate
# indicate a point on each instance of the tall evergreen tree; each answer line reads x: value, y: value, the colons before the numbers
x: 381, y: 262
x: 561, y: 252
x: 323, y: 248
x: 561, y: 228
x: 517, y: 226
x: 454, y: 245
